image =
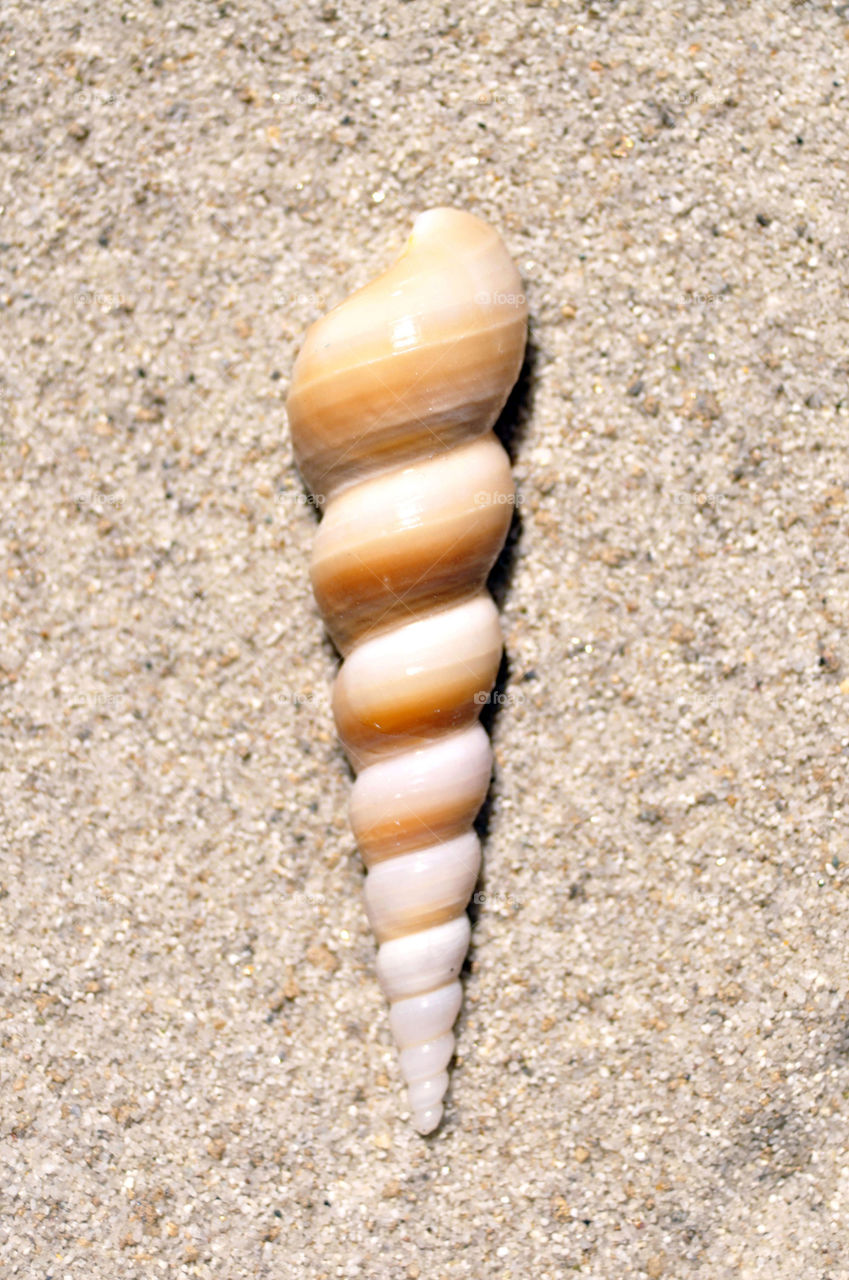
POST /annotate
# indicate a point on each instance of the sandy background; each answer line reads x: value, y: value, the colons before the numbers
x: 653, y: 1070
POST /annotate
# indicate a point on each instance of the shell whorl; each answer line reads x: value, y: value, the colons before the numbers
x: 391, y: 408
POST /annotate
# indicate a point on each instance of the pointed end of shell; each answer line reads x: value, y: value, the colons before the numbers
x: 428, y: 1121
x: 424, y: 1098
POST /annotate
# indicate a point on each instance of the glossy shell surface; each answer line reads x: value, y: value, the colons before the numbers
x: 391, y: 407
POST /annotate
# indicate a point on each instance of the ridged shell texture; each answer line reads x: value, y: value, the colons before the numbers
x: 391, y: 408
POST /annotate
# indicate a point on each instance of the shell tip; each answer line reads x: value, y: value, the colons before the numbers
x: 428, y: 1120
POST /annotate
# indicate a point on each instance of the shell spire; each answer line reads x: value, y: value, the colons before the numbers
x: 391, y: 407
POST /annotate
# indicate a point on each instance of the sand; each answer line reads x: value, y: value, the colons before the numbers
x: 653, y: 1063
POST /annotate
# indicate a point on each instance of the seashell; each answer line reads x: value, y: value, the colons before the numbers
x: 391, y: 407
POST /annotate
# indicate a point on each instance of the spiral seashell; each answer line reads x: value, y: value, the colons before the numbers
x: 392, y: 403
